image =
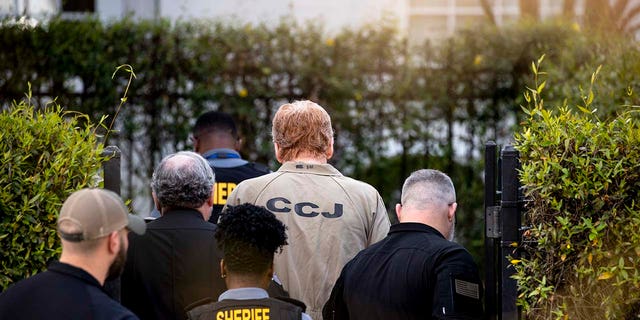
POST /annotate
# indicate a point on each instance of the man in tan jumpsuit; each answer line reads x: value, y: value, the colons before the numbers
x: 330, y: 217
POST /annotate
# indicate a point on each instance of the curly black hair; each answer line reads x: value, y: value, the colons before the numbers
x: 249, y: 236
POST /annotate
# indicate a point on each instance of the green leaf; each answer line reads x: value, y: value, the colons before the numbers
x: 541, y: 86
x: 590, y: 98
x: 583, y: 109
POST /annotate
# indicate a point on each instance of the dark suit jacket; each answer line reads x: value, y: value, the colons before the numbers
x: 62, y: 292
x: 174, y: 264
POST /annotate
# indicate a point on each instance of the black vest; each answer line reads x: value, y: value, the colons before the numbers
x: 252, y: 309
x: 227, y: 179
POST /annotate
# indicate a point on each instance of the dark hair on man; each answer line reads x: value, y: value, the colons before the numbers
x: 249, y: 236
x: 215, y: 121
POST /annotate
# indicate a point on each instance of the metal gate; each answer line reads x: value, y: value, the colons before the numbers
x: 503, y: 211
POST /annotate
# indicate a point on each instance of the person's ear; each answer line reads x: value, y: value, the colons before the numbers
x: 223, y: 271
x: 329, y: 152
x: 156, y: 202
x: 211, y: 197
x: 277, y: 151
x: 270, y: 270
x: 196, y: 144
x: 114, y: 242
x: 452, y: 211
x: 399, y: 211
x: 267, y: 276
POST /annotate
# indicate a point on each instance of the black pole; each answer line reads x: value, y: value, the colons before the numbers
x: 490, y: 254
x: 111, y: 171
x: 111, y: 168
x: 510, y: 225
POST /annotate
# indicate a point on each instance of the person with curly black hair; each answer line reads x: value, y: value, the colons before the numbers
x: 249, y: 236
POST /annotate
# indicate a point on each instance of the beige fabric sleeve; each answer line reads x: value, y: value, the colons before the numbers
x: 380, y: 223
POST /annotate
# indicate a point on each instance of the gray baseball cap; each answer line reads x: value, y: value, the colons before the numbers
x: 94, y: 213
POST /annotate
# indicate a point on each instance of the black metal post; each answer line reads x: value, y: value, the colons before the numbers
x: 490, y: 253
x: 510, y: 225
x: 111, y: 172
x: 111, y: 168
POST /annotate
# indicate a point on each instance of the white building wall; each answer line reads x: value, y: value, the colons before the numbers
x: 436, y: 19
x: 332, y: 14
x: 117, y: 9
x: 30, y: 7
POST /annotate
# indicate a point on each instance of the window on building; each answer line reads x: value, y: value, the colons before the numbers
x: 468, y: 3
x: 470, y: 22
x: 78, y: 5
x: 428, y: 3
x: 427, y: 27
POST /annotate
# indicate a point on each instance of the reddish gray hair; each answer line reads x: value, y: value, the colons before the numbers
x: 302, y: 127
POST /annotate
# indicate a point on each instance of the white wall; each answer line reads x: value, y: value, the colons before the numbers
x: 116, y: 9
x: 333, y: 14
x: 32, y: 7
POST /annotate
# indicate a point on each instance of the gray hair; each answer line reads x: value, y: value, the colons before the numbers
x: 182, y: 180
x: 428, y: 187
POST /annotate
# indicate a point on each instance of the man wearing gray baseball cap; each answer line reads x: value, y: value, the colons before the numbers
x: 93, y: 226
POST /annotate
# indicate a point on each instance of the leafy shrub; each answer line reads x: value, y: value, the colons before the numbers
x: 582, y: 175
x: 46, y: 155
x: 395, y: 108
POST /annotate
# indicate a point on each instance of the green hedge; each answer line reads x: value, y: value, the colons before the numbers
x: 582, y: 176
x: 395, y: 108
x: 46, y: 155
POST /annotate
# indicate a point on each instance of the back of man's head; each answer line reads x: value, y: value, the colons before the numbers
x: 249, y: 236
x: 302, y: 127
x: 428, y: 188
x: 182, y: 180
x: 89, y: 215
x: 215, y: 122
